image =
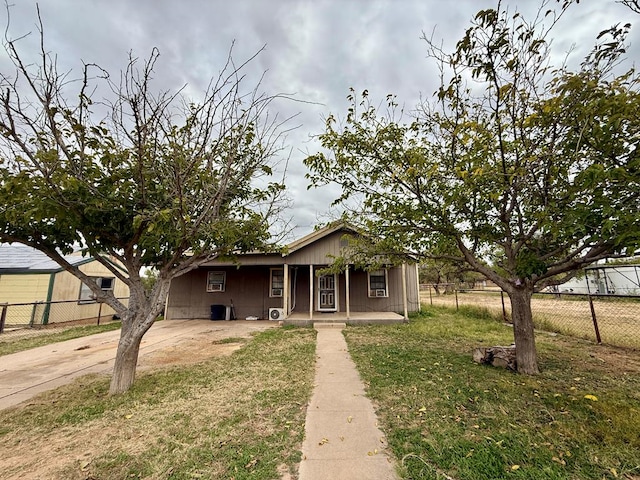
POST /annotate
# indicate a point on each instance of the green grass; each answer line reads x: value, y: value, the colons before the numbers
x: 447, y: 417
x: 239, y: 416
x: 9, y: 345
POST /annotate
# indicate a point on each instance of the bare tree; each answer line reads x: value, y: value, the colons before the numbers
x: 135, y: 176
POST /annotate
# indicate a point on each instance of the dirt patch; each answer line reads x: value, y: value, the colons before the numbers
x: 189, y: 352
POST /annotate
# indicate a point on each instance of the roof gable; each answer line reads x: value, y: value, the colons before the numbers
x: 318, y: 235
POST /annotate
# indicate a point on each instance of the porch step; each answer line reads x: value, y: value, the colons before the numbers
x: 318, y: 325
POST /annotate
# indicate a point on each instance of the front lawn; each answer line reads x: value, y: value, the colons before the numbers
x: 448, y: 418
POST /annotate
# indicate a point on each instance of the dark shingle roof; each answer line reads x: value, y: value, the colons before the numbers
x: 21, y: 258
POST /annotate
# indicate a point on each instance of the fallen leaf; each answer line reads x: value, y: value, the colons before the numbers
x: 593, y: 398
x: 515, y: 467
x: 323, y: 441
x: 349, y: 418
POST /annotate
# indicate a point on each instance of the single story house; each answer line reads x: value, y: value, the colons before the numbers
x: 39, y: 291
x: 291, y: 286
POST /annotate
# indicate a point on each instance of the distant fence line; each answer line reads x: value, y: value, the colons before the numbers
x: 18, y: 316
x: 602, y: 318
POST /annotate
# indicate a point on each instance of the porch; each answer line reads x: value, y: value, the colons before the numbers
x: 303, y: 319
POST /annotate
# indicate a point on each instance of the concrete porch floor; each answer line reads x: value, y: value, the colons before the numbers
x: 302, y: 319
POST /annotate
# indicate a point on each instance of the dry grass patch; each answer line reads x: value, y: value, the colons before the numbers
x: 236, y: 415
x: 570, y: 315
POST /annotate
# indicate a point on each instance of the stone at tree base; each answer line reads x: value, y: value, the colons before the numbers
x: 498, y: 356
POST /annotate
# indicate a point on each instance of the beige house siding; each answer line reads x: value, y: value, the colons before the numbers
x: 60, y: 288
x: 67, y: 287
x: 23, y: 288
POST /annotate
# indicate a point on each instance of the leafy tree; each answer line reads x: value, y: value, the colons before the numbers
x: 127, y: 172
x: 149, y: 278
x: 531, y: 172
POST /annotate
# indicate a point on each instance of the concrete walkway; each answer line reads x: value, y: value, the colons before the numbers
x: 342, y: 439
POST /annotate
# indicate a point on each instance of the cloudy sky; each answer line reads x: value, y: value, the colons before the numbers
x: 315, y: 50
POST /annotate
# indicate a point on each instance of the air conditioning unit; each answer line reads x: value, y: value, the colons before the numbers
x: 381, y: 292
x: 276, y: 314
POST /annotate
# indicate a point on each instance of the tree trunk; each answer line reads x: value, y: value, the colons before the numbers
x: 124, y: 369
x: 526, y: 356
x: 140, y: 316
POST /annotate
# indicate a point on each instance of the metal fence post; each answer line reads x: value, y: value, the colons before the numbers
x: 595, y: 321
x: 430, y: 297
x: 3, y: 317
x: 33, y: 314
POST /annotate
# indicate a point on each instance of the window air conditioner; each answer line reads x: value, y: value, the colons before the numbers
x: 381, y: 292
x: 276, y: 314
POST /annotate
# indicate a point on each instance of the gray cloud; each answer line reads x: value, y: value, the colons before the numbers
x: 316, y: 50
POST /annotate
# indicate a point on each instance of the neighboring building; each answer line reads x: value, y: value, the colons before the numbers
x: 28, y: 276
x: 287, y: 285
x: 605, y: 279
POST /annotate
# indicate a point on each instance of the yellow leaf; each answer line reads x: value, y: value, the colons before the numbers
x: 323, y: 441
x: 593, y: 398
x: 515, y: 467
x: 422, y: 409
x: 614, y: 472
x: 349, y: 419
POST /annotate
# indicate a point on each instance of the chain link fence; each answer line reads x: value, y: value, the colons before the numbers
x: 610, y: 319
x: 18, y: 319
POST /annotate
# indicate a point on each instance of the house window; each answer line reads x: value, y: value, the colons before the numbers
x: 86, y: 295
x: 216, y: 281
x: 378, y: 283
x: 277, y: 282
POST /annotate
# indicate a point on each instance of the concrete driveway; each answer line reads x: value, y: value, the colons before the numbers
x: 25, y: 374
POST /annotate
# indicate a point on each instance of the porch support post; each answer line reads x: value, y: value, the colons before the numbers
x: 404, y: 290
x: 285, y: 290
x: 347, y: 294
x: 310, y: 292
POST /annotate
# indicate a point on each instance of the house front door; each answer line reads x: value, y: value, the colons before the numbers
x: 327, y: 293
